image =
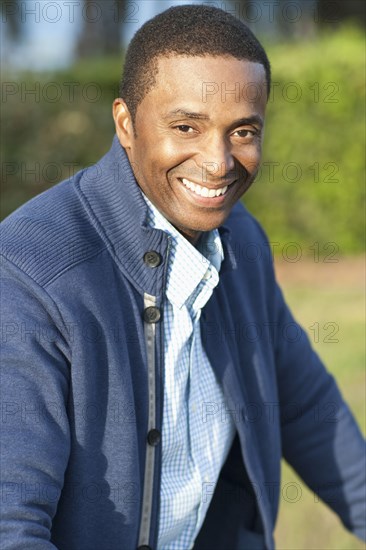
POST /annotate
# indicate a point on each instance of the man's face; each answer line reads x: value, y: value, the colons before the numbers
x: 198, y: 138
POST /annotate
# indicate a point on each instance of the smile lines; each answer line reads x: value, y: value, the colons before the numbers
x: 204, y: 191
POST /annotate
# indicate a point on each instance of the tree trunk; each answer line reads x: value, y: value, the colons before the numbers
x: 10, y: 11
x: 101, y: 28
x: 335, y: 12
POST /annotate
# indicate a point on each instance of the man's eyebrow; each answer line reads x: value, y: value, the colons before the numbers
x: 186, y: 114
x: 254, y: 119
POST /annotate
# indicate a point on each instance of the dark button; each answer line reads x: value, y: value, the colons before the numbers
x: 144, y: 547
x: 153, y: 437
x: 152, y: 258
x: 152, y: 314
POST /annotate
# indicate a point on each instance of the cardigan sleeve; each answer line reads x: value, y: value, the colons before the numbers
x: 320, y: 437
x: 35, y: 435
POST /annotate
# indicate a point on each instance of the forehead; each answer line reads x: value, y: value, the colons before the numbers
x: 210, y: 81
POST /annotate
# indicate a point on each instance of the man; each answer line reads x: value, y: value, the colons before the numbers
x: 137, y: 412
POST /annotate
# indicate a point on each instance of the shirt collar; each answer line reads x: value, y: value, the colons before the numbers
x: 189, y: 265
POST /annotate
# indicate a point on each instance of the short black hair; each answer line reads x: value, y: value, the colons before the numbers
x: 191, y: 30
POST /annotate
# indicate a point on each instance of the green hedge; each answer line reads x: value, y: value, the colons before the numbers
x: 310, y: 188
x: 315, y: 132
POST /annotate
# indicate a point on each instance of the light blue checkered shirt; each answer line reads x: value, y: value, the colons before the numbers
x: 196, y: 435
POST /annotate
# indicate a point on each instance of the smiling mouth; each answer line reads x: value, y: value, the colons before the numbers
x: 204, y: 191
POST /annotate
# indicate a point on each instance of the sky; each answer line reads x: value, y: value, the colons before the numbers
x: 51, y: 29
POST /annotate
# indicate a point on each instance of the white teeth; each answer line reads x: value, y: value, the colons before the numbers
x: 204, y: 191
x: 189, y: 184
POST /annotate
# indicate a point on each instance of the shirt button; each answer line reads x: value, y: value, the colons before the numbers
x: 207, y: 275
x: 153, y: 437
x: 152, y: 258
x: 152, y: 314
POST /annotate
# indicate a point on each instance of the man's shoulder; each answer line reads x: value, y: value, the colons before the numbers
x: 244, y: 227
x: 248, y: 247
x: 49, y: 233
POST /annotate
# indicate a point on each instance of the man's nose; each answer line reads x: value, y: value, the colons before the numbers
x: 217, y: 160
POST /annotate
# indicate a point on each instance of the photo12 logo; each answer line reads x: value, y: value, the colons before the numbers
x: 28, y: 11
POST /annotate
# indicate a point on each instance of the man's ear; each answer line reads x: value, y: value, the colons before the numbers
x: 123, y: 123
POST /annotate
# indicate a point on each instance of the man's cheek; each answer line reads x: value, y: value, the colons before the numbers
x: 175, y: 151
x: 252, y: 162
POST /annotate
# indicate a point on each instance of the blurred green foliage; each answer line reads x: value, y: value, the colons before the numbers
x: 315, y: 132
x: 310, y: 188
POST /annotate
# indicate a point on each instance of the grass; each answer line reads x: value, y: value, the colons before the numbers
x: 320, y: 293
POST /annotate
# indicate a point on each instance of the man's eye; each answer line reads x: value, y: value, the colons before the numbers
x: 184, y: 128
x: 245, y: 133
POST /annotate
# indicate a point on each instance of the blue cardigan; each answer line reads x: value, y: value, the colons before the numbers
x: 82, y: 374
